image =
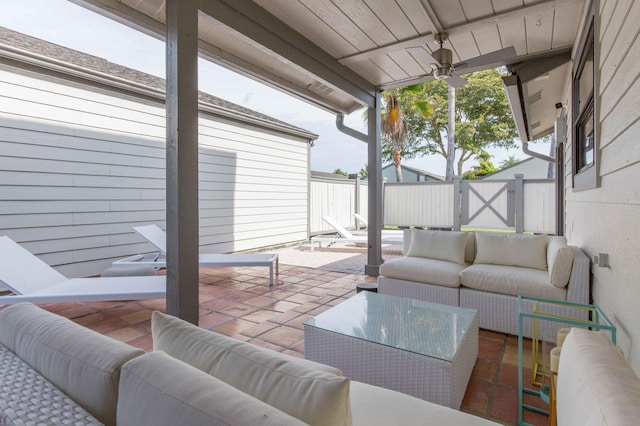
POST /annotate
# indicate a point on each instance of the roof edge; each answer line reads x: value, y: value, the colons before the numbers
x: 56, y: 65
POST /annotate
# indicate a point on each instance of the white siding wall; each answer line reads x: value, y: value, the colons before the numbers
x: 79, y: 167
x: 605, y: 219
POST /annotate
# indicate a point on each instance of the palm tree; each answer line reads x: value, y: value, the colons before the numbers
x: 397, y: 103
x: 512, y: 160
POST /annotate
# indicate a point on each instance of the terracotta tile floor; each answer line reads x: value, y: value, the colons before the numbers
x: 238, y: 302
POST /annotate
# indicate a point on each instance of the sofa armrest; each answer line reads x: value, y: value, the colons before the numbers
x: 579, y: 288
x: 596, y: 385
x: 81, y: 363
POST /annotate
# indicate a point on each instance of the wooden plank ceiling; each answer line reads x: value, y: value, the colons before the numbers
x: 366, y: 43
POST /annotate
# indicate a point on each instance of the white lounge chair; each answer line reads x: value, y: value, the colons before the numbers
x: 344, y: 232
x: 158, y: 238
x: 344, y: 236
x: 361, y: 219
x: 32, y: 280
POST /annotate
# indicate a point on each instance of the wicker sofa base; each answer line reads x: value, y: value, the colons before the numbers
x: 421, y: 291
x: 496, y: 312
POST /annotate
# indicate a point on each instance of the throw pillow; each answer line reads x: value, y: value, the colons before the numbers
x: 309, y: 394
x: 156, y: 389
x: 527, y: 251
x: 439, y: 245
x: 560, y: 260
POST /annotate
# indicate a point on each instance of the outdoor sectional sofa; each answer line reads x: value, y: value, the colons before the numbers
x: 487, y: 271
x: 59, y: 372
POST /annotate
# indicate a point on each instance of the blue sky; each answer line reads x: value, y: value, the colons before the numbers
x: 67, y: 24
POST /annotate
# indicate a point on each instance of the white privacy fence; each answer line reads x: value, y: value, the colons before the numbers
x: 495, y: 204
x: 338, y: 198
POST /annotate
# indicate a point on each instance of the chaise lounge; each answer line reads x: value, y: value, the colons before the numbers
x: 342, y: 235
x: 158, y: 238
x: 32, y: 280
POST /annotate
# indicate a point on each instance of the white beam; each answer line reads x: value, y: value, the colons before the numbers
x: 257, y: 24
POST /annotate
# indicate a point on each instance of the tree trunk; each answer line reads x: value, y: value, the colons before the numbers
x: 460, y: 163
x: 397, y: 158
x: 451, y: 130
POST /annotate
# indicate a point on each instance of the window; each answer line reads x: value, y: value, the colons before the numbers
x: 583, y: 111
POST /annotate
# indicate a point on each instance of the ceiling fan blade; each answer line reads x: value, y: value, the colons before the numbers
x: 456, y: 81
x: 422, y: 56
x: 490, y: 58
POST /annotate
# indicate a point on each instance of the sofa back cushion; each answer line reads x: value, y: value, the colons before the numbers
x: 82, y: 363
x: 560, y: 261
x: 156, y: 389
x: 527, y: 251
x: 438, y: 245
x: 596, y: 385
x: 297, y: 388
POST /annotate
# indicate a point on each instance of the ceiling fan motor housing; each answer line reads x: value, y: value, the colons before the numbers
x: 444, y: 58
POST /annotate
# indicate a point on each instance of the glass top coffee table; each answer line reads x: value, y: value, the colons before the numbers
x: 423, y: 349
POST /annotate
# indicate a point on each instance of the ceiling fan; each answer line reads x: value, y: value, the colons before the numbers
x: 441, y: 61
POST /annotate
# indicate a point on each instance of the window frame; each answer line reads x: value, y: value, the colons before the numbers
x: 585, y: 177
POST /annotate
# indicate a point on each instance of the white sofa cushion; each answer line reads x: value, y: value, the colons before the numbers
x: 469, y: 250
x: 375, y: 406
x: 439, y: 245
x: 423, y: 270
x: 560, y: 261
x: 82, y: 363
x: 156, y: 389
x: 527, y: 251
x: 596, y: 385
x: 511, y: 280
x: 297, y: 388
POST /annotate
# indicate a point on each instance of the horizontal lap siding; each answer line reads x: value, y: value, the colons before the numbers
x: 253, y: 187
x: 80, y: 166
x: 605, y: 219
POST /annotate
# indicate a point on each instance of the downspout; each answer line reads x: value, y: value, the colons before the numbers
x: 349, y: 131
x: 526, y: 150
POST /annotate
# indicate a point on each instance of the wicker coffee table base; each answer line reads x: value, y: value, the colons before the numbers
x: 431, y: 379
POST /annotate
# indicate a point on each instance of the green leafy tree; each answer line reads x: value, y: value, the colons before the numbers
x: 397, y: 142
x: 511, y: 161
x: 364, y: 172
x: 484, y: 167
x: 483, y: 118
x: 340, y: 172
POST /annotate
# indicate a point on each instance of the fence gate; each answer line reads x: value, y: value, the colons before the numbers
x: 488, y: 204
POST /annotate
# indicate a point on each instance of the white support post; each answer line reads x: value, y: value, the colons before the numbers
x: 182, y: 159
x: 374, y: 254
